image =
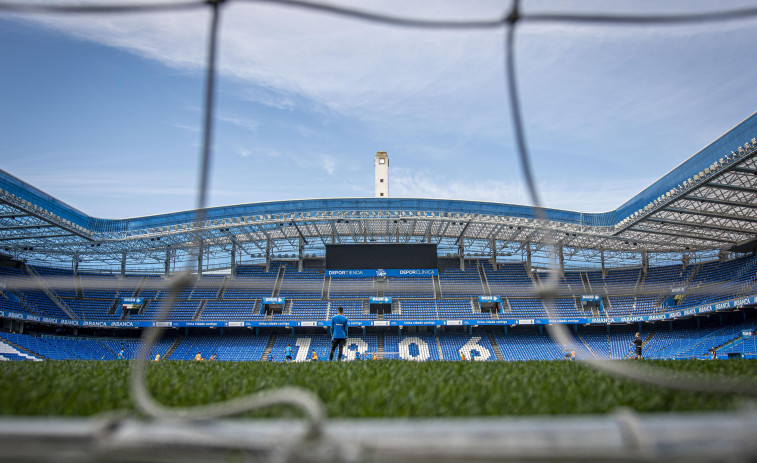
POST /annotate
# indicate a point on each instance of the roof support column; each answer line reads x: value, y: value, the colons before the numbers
x: 267, y: 254
x: 644, y: 261
x: 604, y: 271
x: 493, y: 245
x: 123, y: 263
x: 461, y: 252
x: 300, y: 254
x: 233, y: 263
x: 685, y: 260
x: 167, y: 268
x: 528, y: 255
x: 561, y: 255
x: 199, y: 260
x: 76, y: 264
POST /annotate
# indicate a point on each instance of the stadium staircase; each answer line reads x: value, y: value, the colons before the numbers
x: 607, y: 304
x: 693, y: 274
x: 439, y: 347
x: 691, y: 277
x: 200, y: 309
x: 256, y: 306
x: 437, y: 288
x: 144, y: 307
x: 77, y: 287
x: 28, y: 306
x: 279, y: 281
x: 23, y: 349
x: 536, y: 280
x: 105, y: 347
x: 484, y: 281
x: 124, y: 314
x: 532, y: 275
x: 475, y: 307
x: 640, y: 281
x: 379, y: 284
x: 746, y: 268
x: 587, y: 285
x: 326, y: 287
x: 268, y: 348
x: 495, y: 346
x: 49, y: 292
x: 609, y: 344
x: 380, y: 345
x: 140, y: 286
x: 731, y: 342
x: 505, y: 305
x: 224, y: 285
x: 644, y: 343
x: 173, y: 347
x: 113, y: 306
x: 588, y: 347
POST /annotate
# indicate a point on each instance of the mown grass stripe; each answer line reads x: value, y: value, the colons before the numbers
x: 360, y: 389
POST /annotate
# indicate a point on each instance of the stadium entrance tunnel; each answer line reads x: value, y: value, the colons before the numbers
x: 272, y: 305
x: 490, y: 307
x: 380, y: 308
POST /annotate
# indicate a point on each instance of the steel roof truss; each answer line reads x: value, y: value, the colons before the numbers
x: 725, y: 202
x: 699, y: 238
x: 714, y: 215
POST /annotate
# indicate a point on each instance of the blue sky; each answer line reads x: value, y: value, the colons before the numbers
x: 103, y: 112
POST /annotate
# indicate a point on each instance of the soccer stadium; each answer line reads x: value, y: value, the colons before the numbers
x: 419, y: 279
x: 490, y: 286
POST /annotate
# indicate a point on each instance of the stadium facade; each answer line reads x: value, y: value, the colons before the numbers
x: 681, y: 251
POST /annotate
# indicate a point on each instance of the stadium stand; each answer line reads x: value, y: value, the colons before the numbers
x: 417, y: 347
x: 475, y: 348
x: 627, y: 292
x: 351, y: 288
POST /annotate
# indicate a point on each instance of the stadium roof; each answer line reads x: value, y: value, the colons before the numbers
x: 704, y: 206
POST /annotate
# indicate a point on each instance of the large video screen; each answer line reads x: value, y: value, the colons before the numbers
x: 380, y: 256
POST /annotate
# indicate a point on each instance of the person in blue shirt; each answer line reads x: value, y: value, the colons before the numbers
x: 357, y: 355
x: 338, y: 333
x: 121, y: 355
x: 288, y: 353
x: 270, y: 356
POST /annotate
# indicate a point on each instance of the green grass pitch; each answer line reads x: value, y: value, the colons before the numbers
x: 361, y: 389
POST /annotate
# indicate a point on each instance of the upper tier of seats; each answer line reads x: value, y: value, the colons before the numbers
x: 310, y: 294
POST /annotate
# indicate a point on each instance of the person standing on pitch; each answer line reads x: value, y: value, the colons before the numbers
x: 638, y: 342
x: 288, y: 353
x: 338, y: 333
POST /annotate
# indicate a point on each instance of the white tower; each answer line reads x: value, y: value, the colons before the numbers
x: 381, y: 165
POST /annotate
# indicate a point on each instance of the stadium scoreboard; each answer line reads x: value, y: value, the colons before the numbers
x: 380, y: 256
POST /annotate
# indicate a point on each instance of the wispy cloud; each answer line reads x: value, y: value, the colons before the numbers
x: 189, y: 128
x: 257, y: 152
x: 599, y: 195
x: 598, y: 102
x: 247, y: 124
